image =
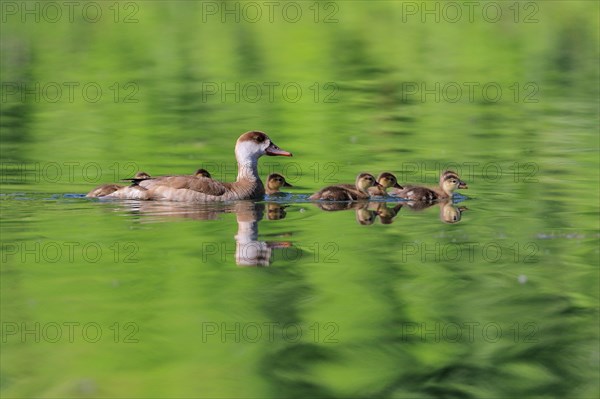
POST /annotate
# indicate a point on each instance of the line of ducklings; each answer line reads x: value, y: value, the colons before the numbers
x: 366, y: 186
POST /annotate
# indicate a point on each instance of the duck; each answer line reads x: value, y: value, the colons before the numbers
x: 138, y: 177
x: 249, y: 147
x: 348, y: 192
x: 449, y: 182
x: 386, y: 180
x: 203, y: 173
x: 274, y: 182
x: 103, y: 190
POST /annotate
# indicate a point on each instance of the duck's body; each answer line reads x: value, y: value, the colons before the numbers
x: 347, y: 192
x: 274, y: 182
x: 449, y: 182
x: 198, y: 188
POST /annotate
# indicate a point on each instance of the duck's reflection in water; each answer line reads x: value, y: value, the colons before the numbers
x: 449, y: 212
x: 249, y: 251
x: 367, y: 212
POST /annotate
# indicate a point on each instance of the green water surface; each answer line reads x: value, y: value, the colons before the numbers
x: 128, y: 299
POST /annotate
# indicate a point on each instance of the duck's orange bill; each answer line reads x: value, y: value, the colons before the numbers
x: 273, y: 150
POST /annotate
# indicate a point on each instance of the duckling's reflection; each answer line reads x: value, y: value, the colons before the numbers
x: 366, y: 212
x: 449, y: 212
x: 249, y: 251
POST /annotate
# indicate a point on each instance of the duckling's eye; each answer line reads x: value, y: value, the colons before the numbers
x: 259, y: 138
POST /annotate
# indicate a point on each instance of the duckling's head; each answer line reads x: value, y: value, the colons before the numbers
x: 252, y: 145
x: 275, y: 181
x: 202, y: 173
x: 364, y: 181
x: 387, y: 180
x: 141, y: 175
x: 450, y: 182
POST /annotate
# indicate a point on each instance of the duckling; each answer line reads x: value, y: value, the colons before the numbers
x: 449, y: 182
x: 386, y: 180
x: 347, y: 192
x: 104, y: 189
x: 274, y: 182
x: 202, y: 173
x: 139, y: 176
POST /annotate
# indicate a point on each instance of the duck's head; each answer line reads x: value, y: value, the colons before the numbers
x: 255, y: 144
x: 450, y: 182
x: 387, y: 180
x: 366, y: 180
x: 141, y: 175
x: 275, y: 181
x: 202, y: 173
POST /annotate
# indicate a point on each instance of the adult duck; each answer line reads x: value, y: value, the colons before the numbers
x: 249, y: 148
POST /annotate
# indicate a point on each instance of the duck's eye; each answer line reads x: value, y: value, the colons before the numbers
x: 259, y: 138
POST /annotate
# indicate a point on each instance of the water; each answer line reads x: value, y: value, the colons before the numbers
x: 494, y: 295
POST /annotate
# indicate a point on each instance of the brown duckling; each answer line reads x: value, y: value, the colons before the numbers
x: 274, y: 182
x: 347, y: 192
x: 202, y: 173
x: 449, y: 182
x: 139, y: 176
x: 386, y: 180
x: 104, y: 189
